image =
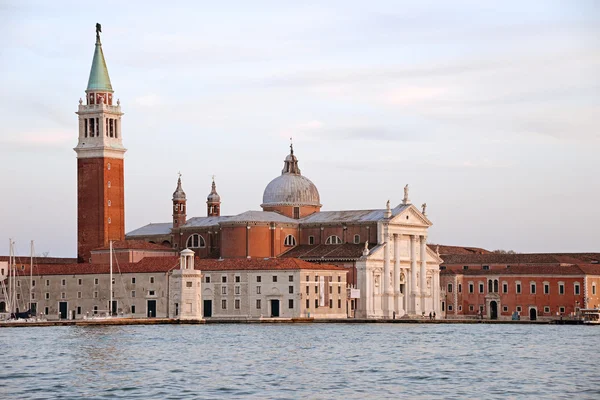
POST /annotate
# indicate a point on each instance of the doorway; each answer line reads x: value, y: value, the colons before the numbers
x: 113, y: 309
x: 62, y: 309
x: 208, y: 308
x: 493, y: 310
x: 532, y: 314
x: 72, y: 314
x: 151, y: 309
x: 274, y: 308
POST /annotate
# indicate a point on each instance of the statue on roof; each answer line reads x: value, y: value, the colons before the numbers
x: 98, y: 29
x: 405, y: 200
x: 366, y: 249
x: 424, y: 207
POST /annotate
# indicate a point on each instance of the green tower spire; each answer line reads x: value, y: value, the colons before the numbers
x: 99, y: 79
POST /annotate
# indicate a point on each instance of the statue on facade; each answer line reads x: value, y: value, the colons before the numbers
x: 366, y: 249
x: 424, y: 207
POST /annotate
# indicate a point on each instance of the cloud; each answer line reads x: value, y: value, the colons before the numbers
x: 34, y: 139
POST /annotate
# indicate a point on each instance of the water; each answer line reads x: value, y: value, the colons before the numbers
x: 301, y: 361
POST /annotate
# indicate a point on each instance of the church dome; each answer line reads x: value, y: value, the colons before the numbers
x: 179, y: 194
x: 291, y: 188
x: 213, y: 196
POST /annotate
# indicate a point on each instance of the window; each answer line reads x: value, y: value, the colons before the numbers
x: 296, y: 212
x: 291, y: 303
x: 63, y: 295
x: 316, y: 289
x: 504, y: 287
x: 258, y: 304
x: 471, y: 287
x: 95, y: 309
x: 151, y: 279
x: 291, y: 289
x: 237, y: 290
x: 339, y: 303
x: 561, y: 288
x: 504, y: 308
x: 207, y: 279
x: 291, y: 278
x: 237, y: 279
x: 356, y: 239
x: 19, y: 283
x: 223, y: 279
x: 19, y: 296
x: 518, y: 287
x: 316, y: 303
x: 258, y: 278
x: 188, y: 284
x: 307, y: 289
x: 459, y: 308
x: 46, y: 310
x: 465, y: 267
x: 258, y: 290
x: 95, y: 295
x: 532, y: 287
x: 311, y: 240
x: 562, y: 310
x: 330, y: 289
x: 442, y: 267
x: 481, y: 287
x: 274, y: 278
x: 113, y: 281
x: 486, y: 267
x: 62, y: 282
x: 80, y: 281
x: 109, y: 203
x: 333, y: 239
x: 519, y: 308
x: 78, y: 295
x: 78, y: 310
x: 289, y: 241
x: 224, y: 304
x: 33, y: 283
x: 593, y: 288
x: 47, y: 295
x: 460, y: 288
x: 577, y: 289
x: 47, y: 282
x: 339, y: 278
x: 330, y: 303
x: 133, y: 309
x: 307, y: 303
x: 307, y: 278
x: 224, y: 290
x: 133, y: 293
x: 340, y: 290
x: 133, y: 280
x: 449, y: 307
x: 151, y: 293
x: 449, y: 288
x: 195, y: 241
x: 236, y: 304
x: 547, y: 310
x: 471, y: 307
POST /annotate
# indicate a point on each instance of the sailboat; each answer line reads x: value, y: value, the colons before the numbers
x: 10, y: 293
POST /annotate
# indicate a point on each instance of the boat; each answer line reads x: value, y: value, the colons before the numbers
x: 590, y: 316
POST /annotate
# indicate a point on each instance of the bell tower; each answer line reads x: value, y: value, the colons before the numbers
x: 179, y: 205
x: 213, y: 201
x: 100, y: 153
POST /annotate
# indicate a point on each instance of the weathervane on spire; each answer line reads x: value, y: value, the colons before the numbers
x: 98, y: 30
x: 179, y: 174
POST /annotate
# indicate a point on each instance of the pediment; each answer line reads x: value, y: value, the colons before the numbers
x: 415, y: 217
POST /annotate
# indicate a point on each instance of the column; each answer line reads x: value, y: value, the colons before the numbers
x: 414, y: 288
x: 423, y: 273
x: 396, y: 274
x: 386, y: 292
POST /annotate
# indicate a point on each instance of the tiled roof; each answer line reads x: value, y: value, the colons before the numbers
x: 148, y: 264
x: 325, y: 251
x: 135, y: 245
x: 261, y: 216
x: 163, y: 228
x: 444, y: 250
x: 205, y: 221
x: 521, y: 270
x: 41, y: 260
x: 590, y: 269
x: 494, y: 258
x: 349, y: 216
x: 259, y: 264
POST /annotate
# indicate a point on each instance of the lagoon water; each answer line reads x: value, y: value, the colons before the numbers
x: 287, y: 361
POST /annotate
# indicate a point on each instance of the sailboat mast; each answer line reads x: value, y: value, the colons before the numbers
x: 10, y: 292
x: 111, y: 279
x: 31, y: 277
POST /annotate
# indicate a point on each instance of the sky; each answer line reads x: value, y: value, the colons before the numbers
x: 488, y: 110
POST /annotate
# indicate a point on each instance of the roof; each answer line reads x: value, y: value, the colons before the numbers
x: 205, y: 221
x: 259, y: 264
x: 135, y: 245
x: 531, y: 258
x: 349, y: 216
x: 525, y: 270
x: 261, y: 216
x: 99, y: 79
x: 457, y: 249
x: 147, y: 264
x: 163, y: 228
x: 41, y: 260
x: 347, y: 251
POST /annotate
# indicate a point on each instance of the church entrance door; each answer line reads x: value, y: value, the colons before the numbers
x: 208, y: 308
x: 493, y: 310
x: 274, y: 308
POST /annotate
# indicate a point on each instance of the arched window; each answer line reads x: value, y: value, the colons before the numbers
x: 196, y: 241
x: 490, y: 288
x: 356, y: 239
x: 333, y: 239
x: 289, y: 241
x: 495, y: 286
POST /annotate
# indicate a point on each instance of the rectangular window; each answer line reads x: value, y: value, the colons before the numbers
x: 339, y: 303
x: 307, y: 303
x: 224, y: 304
x: 258, y: 304
x: 505, y: 288
x: 330, y: 303
x: 316, y: 289
x: 33, y: 283
x: 188, y: 284
x: 339, y: 290
x: 151, y: 293
x: 207, y: 279
x: 356, y: 239
x: 78, y: 295
x: 504, y: 308
x: 46, y: 310
x: 401, y: 288
x: 465, y: 267
x: 486, y: 267
x: 330, y: 290
x: 546, y: 288
x: 519, y: 308
x: 32, y: 295
x: 95, y: 281
x: 95, y: 295
x: 62, y: 282
x: 449, y: 288
x: 460, y: 288
x: 307, y: 289
x: 316, y: 303
x: 561, y: 288
x: 547, y: 310
x: 291, y: 278
x: 80, y: 281
x: 237, y: 279
x: 133, y: 293
x: 532, y: 288
x: 224, y: 290
x: 311, y: 240
x: 481, y: 286
x: 562, y: 310
x: 151, y: 279
x: 459, y: 308
x: 47, y: 282
x: 577, y: 289
x: 274, y: 278
x: 258, y: 278
x: 593, y: 289
x: 133, y: 309
x: 223, y: 279
x: 296, y: 212
x: 236, y: 304
x: 79, y: 310
x: 47, y: 295
x: 471, y: 307
x: 133, y: 280
x: 449, y: 307
x: 237, y: 290
x: 291, y: 303
x: 258, y: 290
x: 471, y: 288
x: 19, y: 296
x: 307, y: 278
x: 518, y: 288
x: 291, y: 289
